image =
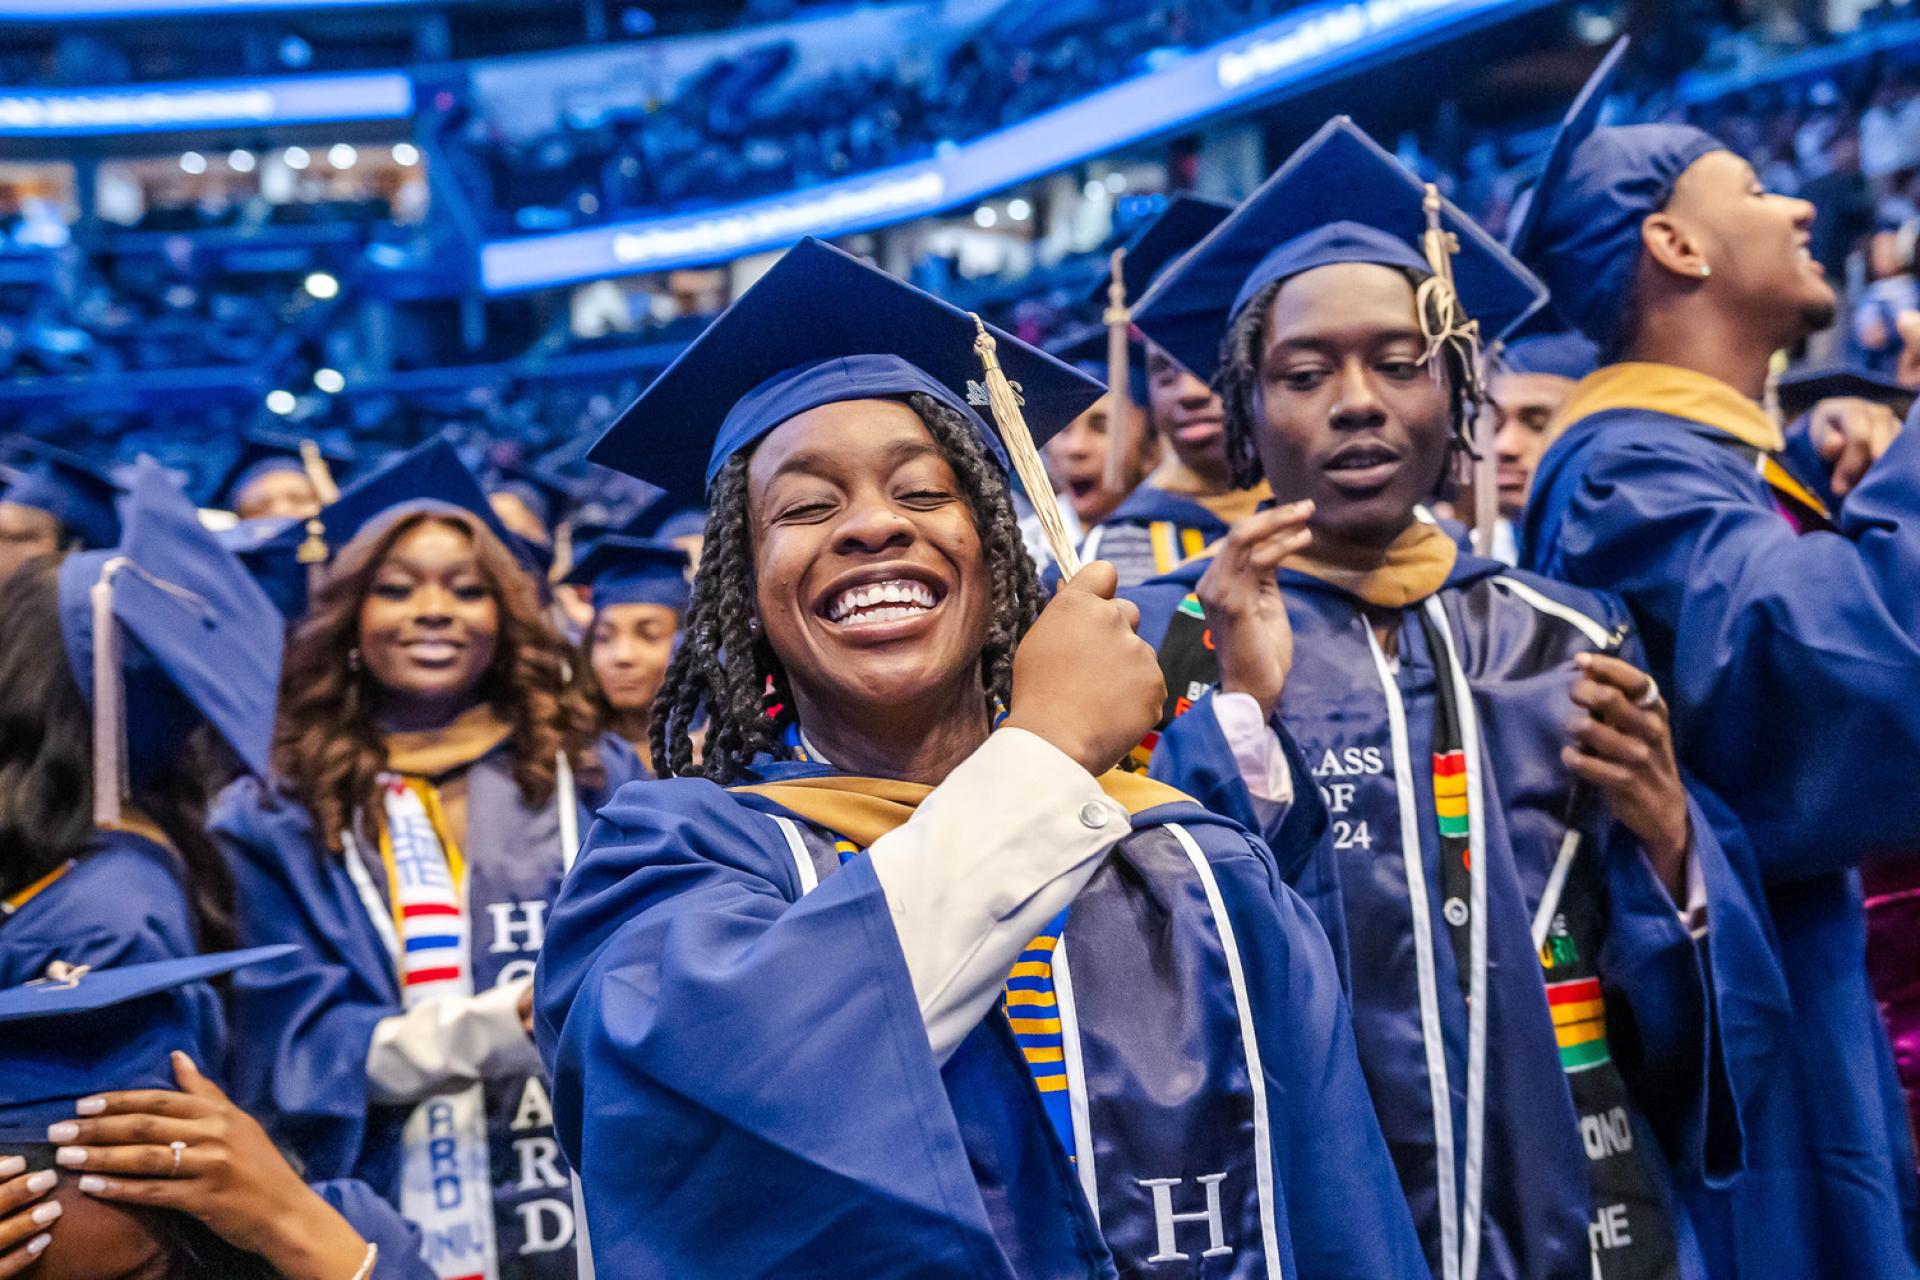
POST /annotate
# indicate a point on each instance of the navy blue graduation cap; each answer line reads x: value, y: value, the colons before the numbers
x: 431, y: 472
x: 1339, y: 198
x: 1085, y: 348
x: 69, y: 488
x: 260, y: 451
x: 164, y: 631
x: 821, y: 327
x: 1800, y: 390
x: 1581, y: 226
x: 78, y: 1031
x: 546, y: 494
x: 1184, y: 223
x: 1565, y: 354
x: 626, y: 570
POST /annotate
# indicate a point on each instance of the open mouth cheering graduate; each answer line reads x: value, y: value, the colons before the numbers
x: 1528, y: 999
x: 885, y: 990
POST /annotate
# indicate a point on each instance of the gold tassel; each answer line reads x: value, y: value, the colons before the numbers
x: 1120, y: 441
x: 313, y: 550
x: 109, y: 717
x: 1445, y: 323
x: 319, y: 474
x: 1005, y: 402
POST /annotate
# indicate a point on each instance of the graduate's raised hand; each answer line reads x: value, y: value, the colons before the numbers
x: 1083, y: 679
x: 226, y: 1172
x: 1622, y: 744
x: 1850, y: 435
x: 26, y: 1215
x: 1246, y: 613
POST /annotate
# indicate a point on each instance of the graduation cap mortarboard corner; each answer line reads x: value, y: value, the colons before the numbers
x: 79, y: 1030
x: 1801, y: 389
x: 821, y: 327
x: 1340, y: 198
x: 1158, y: 243
x: 625, y: 570
x: 1564, y: 355
x: 165, y: 630
x: 1581, y: 226
x: 81, y: 496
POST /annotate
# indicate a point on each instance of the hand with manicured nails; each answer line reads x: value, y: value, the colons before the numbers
x: 231, y: 1176
x: 1082, y: 678
x: 26, y: 1215
x: 1626, y: 751
x: 1850, y: 435
x: 1246, y: 613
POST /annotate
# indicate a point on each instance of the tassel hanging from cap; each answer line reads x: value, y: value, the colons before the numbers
x: 1120, y: 442
x: 109, y: 703
x: 1445, y: 324
x: 1005, y: 403
x: 319, y: 474
x: 313, y: 549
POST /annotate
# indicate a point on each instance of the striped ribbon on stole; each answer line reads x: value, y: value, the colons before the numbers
x: 445, y: 1178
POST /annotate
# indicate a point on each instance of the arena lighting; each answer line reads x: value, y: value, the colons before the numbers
x: 176, y: 106
x: 1306, y: 46
x: 406, y: 155
x: 1116, y: 182
x: 1018, y: 210
x: 329, y: 381
x: 322, y: 286
x: 342, y: 156
x: 281, y: 401
x: 240, y: 161
x: 193, y: 162
x: 984, y: 216
x: 297, y: 157
x: 1094, y: 190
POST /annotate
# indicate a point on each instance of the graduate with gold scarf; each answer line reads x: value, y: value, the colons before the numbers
x: 1776, y: 582
x: 433, y: 770
x: 1510, y: 898
x: 881, y: 989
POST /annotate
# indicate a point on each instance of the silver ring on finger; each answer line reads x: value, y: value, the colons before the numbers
x: 1650, y: 696
x: 179, y: 1149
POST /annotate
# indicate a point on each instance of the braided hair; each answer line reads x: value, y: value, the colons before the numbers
x: 725, y: 666
x: 1237, y: 383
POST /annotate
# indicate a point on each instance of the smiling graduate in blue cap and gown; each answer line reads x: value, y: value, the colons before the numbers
x: 637, y: 588
x: 122, y: 658
x: 883, y: 990
x: 1532, y: 1010
x: 1780, y: 612
x: 120, y: 1159
x: 434, y: 769
x: 57, y: 501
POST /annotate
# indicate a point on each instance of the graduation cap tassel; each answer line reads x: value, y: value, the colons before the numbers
x: 319, y: 474
x: 1005, y: 402
x: 1120, y: 442
x: 109, y: 703
x: 1446, y: 324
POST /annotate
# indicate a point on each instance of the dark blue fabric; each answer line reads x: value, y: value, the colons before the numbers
x: 1339, y: 198
x: 696, y: 1012
x: 621, y: 570
x: 1792, y: 665
x: 1693, y: 1047
x: 378, y: 1223
x: 71, y: 490
x: 202, y: 639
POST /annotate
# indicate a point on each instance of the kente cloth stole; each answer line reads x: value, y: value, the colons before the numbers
x: 1629, y: 1227
x: 1031, y: 1006
x: 445, y: 1177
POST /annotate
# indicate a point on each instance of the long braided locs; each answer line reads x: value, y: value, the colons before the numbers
x: 725, y: 667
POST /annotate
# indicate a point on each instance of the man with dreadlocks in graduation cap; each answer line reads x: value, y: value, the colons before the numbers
x: 808, y: 1009
x: 1506, y: 891
x: 1777, y: 586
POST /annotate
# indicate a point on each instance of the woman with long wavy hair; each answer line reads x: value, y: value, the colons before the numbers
x: 434, y: 766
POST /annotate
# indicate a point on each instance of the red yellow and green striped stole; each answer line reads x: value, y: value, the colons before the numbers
x: 1579, y: 1023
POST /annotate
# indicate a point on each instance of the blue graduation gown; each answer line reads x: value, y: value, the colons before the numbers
x: 1792, y: 665
x: 743, y: 1078
x: 1687, y: 1048
x: 302, y: 1028
x: 122, y: 902
x: 378, y: 1223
